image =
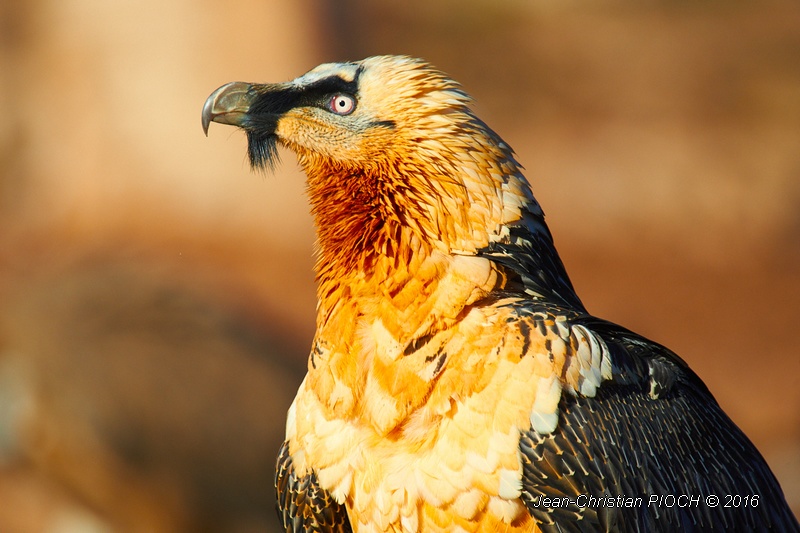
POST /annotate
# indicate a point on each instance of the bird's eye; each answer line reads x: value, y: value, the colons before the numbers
x: 342, y: 104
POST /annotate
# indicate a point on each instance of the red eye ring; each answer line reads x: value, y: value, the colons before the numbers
x: 342, y: 104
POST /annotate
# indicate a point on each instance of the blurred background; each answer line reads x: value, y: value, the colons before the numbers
x: 157, y: 298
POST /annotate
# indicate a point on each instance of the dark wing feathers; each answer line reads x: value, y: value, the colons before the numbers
x: 652, y: 430
x: 302, y: 504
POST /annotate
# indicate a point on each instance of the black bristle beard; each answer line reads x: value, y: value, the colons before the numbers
x: 262, y: 150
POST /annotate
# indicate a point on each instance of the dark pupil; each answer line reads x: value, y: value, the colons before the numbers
x: 342, y: 103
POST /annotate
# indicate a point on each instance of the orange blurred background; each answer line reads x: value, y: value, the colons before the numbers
x: 157, y: 298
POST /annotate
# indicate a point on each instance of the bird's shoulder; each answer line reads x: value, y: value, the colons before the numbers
x: 587, y: 352
x: 596, y: 351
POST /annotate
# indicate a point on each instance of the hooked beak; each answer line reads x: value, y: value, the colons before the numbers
x: 256, y: 109
x: 229, y: 104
